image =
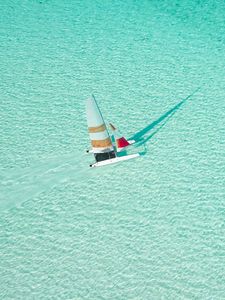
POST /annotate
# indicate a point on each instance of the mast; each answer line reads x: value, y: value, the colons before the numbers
x: 101, y: 142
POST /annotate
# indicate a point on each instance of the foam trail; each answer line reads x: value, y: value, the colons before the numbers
x: 20, y: 185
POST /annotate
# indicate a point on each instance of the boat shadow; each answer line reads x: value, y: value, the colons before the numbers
x: 144, y: 135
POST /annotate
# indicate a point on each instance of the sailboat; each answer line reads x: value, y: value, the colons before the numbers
x: 105, y: 152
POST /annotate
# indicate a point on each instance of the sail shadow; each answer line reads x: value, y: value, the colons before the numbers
x: 143, y: 141
x: 139, y: 136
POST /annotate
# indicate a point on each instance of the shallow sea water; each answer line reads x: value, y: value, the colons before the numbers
x: 150, y: 228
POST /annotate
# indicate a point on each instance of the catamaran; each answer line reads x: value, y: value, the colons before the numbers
x: 105, y: 152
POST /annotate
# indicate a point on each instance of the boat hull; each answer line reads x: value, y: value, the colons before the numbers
x: 114, y: 160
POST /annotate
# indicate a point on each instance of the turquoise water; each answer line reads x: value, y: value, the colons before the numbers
x: 150, y: 228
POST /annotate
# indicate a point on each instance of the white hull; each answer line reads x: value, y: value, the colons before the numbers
x: 114, y: 160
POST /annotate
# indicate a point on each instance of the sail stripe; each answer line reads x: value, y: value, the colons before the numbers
x: 101, y: 143
x: 97, y: 128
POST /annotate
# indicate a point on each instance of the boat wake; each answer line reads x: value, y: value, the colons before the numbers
x: 18, y: 186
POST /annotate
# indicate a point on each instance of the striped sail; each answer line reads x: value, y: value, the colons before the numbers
x: 100, y: 140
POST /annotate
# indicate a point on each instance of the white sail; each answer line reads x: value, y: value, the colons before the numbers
x: 101, y: 142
